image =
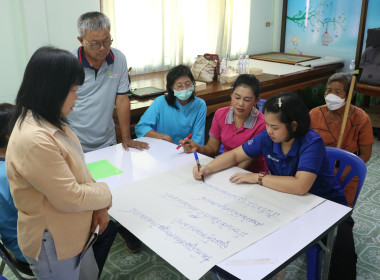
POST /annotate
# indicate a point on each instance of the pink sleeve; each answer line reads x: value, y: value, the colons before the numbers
x: 215, y: 126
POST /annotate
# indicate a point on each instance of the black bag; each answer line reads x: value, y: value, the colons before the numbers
x: 369, y: 67
x: 373, y: 37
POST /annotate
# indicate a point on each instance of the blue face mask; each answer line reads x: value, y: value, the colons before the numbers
x: 184, y: 94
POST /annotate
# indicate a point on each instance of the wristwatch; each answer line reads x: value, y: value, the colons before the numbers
x: 261, y: 176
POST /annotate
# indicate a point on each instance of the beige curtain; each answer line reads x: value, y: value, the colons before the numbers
x: 108, y: 8
x: 156, y: 35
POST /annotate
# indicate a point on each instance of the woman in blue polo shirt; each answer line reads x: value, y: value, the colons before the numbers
x: 296, y: 159
x: 177, y: 114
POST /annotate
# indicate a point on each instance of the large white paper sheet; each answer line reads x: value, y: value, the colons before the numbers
x: 327, y: 60
x: 195, y: 225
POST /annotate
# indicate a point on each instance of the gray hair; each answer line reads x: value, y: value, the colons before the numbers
x: 344, y: 79
x: 92, y: 21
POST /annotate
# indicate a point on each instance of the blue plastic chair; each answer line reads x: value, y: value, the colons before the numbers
x: 221, y: 150
x: 260, y: 105
x: 358, y: 169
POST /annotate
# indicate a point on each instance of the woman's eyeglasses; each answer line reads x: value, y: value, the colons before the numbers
x: 183, y: 86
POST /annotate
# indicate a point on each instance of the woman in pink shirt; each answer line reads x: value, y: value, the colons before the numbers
x: 234, y: 125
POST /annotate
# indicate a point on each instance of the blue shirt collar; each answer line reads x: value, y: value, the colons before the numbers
x: 293, y: 150
x: 180, y: 105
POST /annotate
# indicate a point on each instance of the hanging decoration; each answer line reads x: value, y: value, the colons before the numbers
x: 326, y: 37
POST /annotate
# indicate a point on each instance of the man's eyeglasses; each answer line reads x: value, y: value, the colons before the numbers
x: 96, y: 46
x: 183, y: 86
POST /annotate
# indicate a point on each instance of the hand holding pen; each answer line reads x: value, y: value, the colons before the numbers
x: 188, y: 137
x: 198, y: 167
x: 189, y: 146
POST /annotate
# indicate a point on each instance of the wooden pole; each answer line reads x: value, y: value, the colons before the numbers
x: 346, y: 110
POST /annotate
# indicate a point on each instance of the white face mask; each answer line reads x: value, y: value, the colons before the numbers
x: 334, y: 102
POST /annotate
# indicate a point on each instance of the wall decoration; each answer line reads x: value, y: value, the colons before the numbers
x: 323, y: 28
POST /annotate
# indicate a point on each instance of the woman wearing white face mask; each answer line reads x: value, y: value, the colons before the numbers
x: 177, y: 114
x: 326, y: 120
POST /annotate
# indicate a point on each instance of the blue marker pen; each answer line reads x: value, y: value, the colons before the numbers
x: 199, y: 165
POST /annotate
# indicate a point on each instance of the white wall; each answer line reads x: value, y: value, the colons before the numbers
x: 261, y: 38
x: 12, y: 49
x: 27, y: 25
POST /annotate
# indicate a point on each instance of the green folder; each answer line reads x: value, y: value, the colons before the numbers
x: 103, y: 169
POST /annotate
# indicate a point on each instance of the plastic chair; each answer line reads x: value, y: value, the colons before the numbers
x: 14, y: 264
x: 260, y: 105
x: 358, y: 169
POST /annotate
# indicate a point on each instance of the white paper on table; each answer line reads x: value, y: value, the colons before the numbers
x: 327, y: 60
x: 195, y: 225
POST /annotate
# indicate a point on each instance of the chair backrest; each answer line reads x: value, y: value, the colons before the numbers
x: 345, y: 158
x: 373, y: 37
x: 15, y: 265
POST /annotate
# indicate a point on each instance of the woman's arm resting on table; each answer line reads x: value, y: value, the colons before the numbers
x: 154, y: 134
x: 300, y: 184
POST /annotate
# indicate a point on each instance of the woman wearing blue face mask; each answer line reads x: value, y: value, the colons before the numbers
x: 177, y: 114
x: 326, y: 120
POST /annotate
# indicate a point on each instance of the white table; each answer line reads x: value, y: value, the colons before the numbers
x: 260, y: 260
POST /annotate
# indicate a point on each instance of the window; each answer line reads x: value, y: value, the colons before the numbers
x: 156, y: 35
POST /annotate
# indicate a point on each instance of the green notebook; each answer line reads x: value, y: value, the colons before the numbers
x: 103, y: 169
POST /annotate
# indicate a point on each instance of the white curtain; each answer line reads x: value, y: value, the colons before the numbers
x: 156, y: 35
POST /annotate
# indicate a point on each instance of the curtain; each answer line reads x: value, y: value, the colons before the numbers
x: 156, y: 35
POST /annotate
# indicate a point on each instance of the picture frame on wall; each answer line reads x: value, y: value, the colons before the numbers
x: 324, y: 28
x: 283, y: 57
